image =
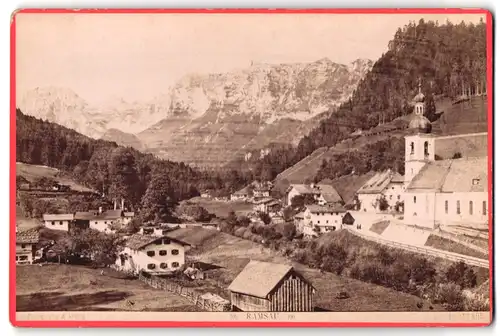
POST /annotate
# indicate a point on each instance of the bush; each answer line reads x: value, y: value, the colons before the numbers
x: 462, y: 275
x: 450, y: 295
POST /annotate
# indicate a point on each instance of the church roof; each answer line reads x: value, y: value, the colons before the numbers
x: 420, y: 123
x: 459, y: 175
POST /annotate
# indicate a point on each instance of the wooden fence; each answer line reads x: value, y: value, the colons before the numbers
x: 205, y: 301
x: 426, y: 251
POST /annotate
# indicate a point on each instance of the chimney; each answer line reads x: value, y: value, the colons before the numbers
x: 100, y: 209
x: 123, y: 204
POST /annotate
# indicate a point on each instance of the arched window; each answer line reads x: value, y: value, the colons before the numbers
x: 471, y: 207
x: 426, y: 148
x: 412, y: 148
x: 446, y: 207
x: 414, y: 199
x: 458, y: 207
x: 484, y: 208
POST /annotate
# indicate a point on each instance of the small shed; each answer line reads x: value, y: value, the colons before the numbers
x: 263, y: 286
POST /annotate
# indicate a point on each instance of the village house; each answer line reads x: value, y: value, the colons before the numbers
x: 242, y: 194
x: 261, y: 191
x: 58, y: 221
x: 267, y: 205
x: 387, y: 185
x: 82, y: 218
x: 104, y: 221
x: 270, y: 287
x: 442, y: 192
x: 152, y: 254
x: 26, y: 241
x: 321, y: 219
x: 322, y: 193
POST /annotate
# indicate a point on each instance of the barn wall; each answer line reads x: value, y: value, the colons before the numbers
x: 249, y: 303
x: 292, y: 295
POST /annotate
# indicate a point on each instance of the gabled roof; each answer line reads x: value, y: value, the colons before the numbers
x: 458, y: 175
x: 30, y: 236
x: 313, y: 208
x: 58, y: 217
x: 138, y: 241
x: 260, y: 278
x: 264, y: 200
x: 380, y: 181
x: 85, y: 215
x: 109, y: 215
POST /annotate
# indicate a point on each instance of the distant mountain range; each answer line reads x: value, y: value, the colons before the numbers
x: 209, y: 120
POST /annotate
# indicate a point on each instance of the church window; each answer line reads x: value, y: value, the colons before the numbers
x: 471, y: 207
x: 414, y: 199
x: 426, y: 148
x: 484, y: 208
x: 458, y: 207
x: 446, y: 207
x: 412, y: 148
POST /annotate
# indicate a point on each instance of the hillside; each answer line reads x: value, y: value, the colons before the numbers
x: 34, y: 172
x: 216, y: 118
x: 116, y: 171
x: 122, y: 138
x: 423, y: 51
x: 224, y: 256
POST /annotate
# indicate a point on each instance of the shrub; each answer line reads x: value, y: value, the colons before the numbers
x: 450, y: 295
x: 462, y: 275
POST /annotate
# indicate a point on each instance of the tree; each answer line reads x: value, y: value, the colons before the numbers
x: 102, y: 247
x: 123, y: 176
x: 158, y: 203
x: 289, y: 231
x: 299, y: 201
x: 462, y: 275
x: 244, y: 221
x: 383, y: 204
x: 134, y: 225
x: 265, y: 218
x: 195, y: 212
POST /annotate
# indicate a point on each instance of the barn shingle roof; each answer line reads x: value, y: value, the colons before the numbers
x: 380, y: 181
x: 58, y: 217
x: 259, y: 278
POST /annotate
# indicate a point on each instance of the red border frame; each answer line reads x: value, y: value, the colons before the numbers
x: 158, y: 324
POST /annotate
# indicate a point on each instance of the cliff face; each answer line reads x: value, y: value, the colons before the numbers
x: 209, y: 120
x: 216, y: 118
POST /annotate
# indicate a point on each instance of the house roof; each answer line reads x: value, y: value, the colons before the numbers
x: 313, y: 208
x: 138, y: 241
x: 304, y: 189
x: 110, y: 214
x: 129, y: 214
x: 83, y: 215
x: 329, y: 193
x: 58, y: 217
x: 259, y: 278
x: 30, y: 236
x: 456, y: 175
x: 380, y: 181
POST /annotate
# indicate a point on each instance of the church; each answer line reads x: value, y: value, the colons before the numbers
x: 440, y: 192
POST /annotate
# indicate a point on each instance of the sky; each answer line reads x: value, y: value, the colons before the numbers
x: 139, y: 56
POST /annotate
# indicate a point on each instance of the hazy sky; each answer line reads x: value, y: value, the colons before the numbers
x: 138, y: 56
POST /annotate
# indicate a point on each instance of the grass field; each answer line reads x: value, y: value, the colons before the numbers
x: 220, y: 208
x: 451, y: 246
x: 33, y: 172
x: 68, y: 287
x: 229, y: 255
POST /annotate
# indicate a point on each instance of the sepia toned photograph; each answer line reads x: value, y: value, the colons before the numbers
x: 252, y: 167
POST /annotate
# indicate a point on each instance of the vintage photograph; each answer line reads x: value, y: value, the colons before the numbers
x: 256, y: 166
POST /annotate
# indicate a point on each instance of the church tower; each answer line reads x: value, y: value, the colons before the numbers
x: 419, y: 143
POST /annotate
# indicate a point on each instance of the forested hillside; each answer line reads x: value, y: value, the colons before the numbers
x: 145, y: 181
x: 448, y: 60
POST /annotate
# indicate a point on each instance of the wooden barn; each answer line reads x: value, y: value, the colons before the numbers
x: 263, y: 286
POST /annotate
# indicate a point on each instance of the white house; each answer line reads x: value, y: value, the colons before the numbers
x: 152, y: 254
x: 241, y: 195
x: 26, y: 242
x: 323, y: 194
x: 388, y: 185
x: 321, y: 219
x: 443, y: 192
x: 103, y: 222
x: 58, y: 221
